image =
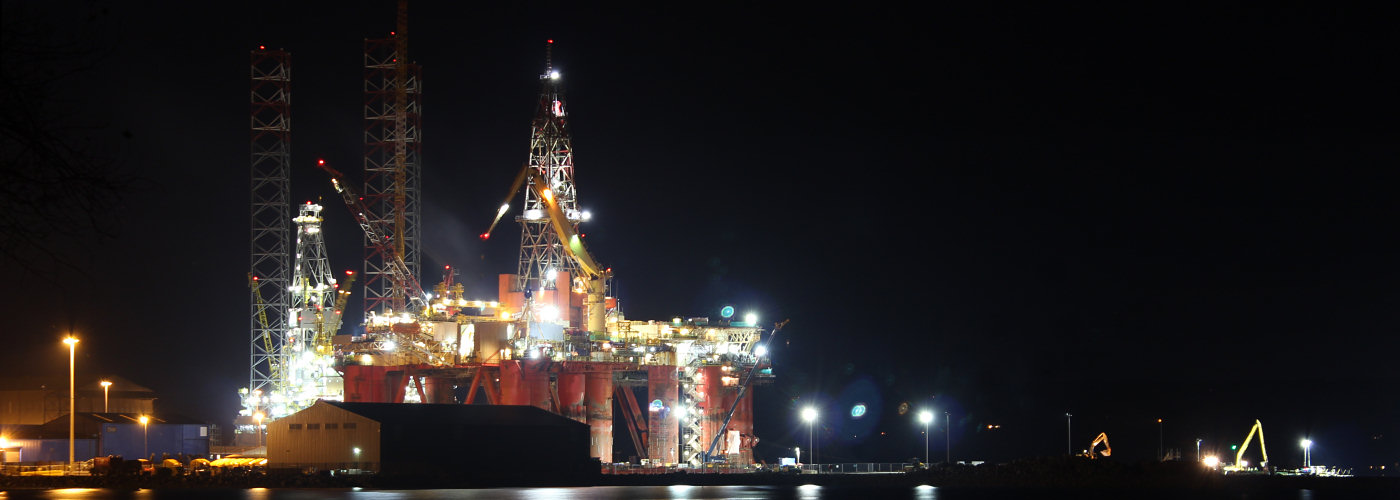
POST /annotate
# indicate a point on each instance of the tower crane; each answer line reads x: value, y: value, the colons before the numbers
x: 403, y: 277
x: 595, y: 276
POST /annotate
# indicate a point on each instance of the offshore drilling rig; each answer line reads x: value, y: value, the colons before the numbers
x: 554, y: 337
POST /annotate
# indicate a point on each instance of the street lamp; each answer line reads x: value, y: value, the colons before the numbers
x: 259, y: 417
x: 72, y: 349
x: 1198, y: 449
x: 925, y: 417
x: 1307, y: 452
x: 1160, y: 456
x: 1069, y: 430
x: 809, y: 415
x: 106, y: 384
x: 145, y: 436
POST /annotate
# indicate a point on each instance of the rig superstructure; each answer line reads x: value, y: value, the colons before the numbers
x: 554, y: 338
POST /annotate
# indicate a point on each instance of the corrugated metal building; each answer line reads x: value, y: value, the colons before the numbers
x: 476, y: 443
x: 103, y: 434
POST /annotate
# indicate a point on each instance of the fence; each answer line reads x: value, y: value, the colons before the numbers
x: 78, y: 469
x: 859, y: 468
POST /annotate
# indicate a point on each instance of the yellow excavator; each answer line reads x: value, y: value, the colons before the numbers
x: 1240, y: 465
x: 1107, y: 450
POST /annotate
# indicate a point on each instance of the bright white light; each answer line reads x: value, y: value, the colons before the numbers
x: 809, y: 414
x: 680, y: 412
x: 587, y: 215
x: 357, y: 450
x: 550, y: 274
x: 389, y: 346
x: 1306, y: 443
x: 760, y: 351
x: 925, y: 417
x: 549, y: 313
x: 1211, y: 461
x: 751, y: 318
x: 554, y: 75
x: 503, y: 209
x: 366, y: 359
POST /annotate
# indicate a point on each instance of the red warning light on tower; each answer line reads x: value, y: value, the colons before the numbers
x: 262, y: 47
x: 485, y: 236
x: 551, y: 40
x: 320, y: 161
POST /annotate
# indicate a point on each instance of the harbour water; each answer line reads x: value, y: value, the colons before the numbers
x: 691, y: 492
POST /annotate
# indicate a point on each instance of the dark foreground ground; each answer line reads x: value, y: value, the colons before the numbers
x: 1038, y: 478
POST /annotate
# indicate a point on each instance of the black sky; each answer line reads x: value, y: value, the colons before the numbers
x: 1010, y: 212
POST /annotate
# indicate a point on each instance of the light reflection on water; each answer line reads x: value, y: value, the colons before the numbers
x: 806, y: 491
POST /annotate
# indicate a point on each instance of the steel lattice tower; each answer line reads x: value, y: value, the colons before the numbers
x: 271, y: 122
x: 392, y: 169
x: 552, y: 153
x: 308, y: 352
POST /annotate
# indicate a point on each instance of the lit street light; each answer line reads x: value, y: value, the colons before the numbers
x: 809, y: 415
x: 925, y: 417
x: 106, y: 384
x: 1160, y: 455
x: 145, y: 436
x: 72, y: 349
x: 1198, y: 449
x: 259, y: 417
x: 1307, y: 452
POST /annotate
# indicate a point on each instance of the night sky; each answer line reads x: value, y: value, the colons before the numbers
x: 1121, y: 212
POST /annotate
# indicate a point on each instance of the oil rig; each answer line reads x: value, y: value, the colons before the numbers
x: 678, y: 390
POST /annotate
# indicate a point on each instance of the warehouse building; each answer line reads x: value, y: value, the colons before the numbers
x: 481, y: 444
x: 104, y: 434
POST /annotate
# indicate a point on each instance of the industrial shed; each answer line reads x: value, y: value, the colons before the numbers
x: 482, y: 444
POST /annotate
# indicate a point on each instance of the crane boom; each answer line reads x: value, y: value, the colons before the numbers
x: 743, y: 388
x: 1102, y: 438
x: 595, y: 275
x: 403, y: 277
x: 1258, y: 428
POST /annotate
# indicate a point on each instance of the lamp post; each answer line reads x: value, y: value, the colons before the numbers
x: 1160, y: 455
x: 1307, y: 452
x: 925, y: 417
x: 72, y: 349
x: 145, y: 436
x: 809, y: 415
x: 106, y: 384
x: 1198, y: 449
x: 1069, y: 430
x: 259, y: 418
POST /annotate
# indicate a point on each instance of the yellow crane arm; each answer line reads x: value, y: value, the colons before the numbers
x: 1103, y: 438
x: 1258, y: 428
x: 573, y: 245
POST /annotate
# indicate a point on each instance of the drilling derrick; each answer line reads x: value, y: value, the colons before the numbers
x: 314, y: 319
x: 392, y: 170
x: 542, y: 259
x: 271, y: 124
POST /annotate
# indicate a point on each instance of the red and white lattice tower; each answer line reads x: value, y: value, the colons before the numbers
x: 392, y: 188
x: 552, y: 153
